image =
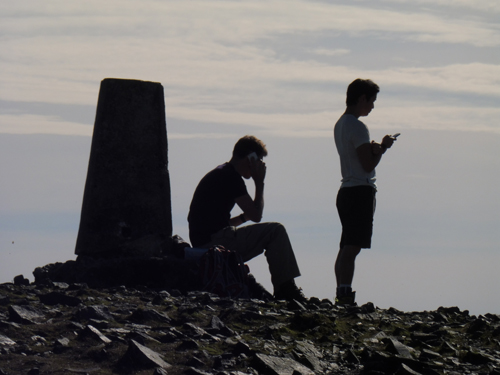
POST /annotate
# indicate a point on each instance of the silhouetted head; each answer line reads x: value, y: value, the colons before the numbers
x: 360, y: 87
x: 248, y: 144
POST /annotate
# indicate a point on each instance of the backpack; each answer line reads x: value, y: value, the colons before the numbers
x: 222, y: 272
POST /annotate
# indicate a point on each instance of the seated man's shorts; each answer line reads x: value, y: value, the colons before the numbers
x: 356, y: 207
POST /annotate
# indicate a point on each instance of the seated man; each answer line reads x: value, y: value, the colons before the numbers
x: 210, y: 221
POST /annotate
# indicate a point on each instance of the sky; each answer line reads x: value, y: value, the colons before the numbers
x: 278, y: 70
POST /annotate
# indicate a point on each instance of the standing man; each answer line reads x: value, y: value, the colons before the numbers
x: 356, y: 198
x: 210, y: 221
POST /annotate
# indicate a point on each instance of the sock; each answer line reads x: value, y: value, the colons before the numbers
x: 344, y: 289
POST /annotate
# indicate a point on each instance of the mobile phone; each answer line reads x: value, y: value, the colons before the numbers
x: 394, y: 136
x: 253, y: 156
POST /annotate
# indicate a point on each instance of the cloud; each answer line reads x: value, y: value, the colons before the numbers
x: 332, y: 52
x: 214, y: 64
x: 266, y: 99
x: 475, y: 78
x: 452, y: 118
x: 475, y: 5
x: 36, y: 124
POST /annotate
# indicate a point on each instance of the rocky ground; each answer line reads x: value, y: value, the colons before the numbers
x: 61, y: 328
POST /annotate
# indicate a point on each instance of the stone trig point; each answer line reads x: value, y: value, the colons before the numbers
x: 126, y: 208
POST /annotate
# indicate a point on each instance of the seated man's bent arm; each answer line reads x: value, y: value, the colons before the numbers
x: 252, y: 208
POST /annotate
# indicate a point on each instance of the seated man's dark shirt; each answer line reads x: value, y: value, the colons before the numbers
x: 213, y: 200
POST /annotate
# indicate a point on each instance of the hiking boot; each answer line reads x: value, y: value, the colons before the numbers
x: 346, y: 299
x: 257, y: 290
x: 289, y: 292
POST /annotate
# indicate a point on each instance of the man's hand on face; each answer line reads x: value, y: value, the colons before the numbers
x: 258, y: 170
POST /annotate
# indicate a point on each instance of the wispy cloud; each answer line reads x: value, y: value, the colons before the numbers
x: 332, y: 52
x: 35, y: 124
x: 481, y: 5
x: 214, y: 60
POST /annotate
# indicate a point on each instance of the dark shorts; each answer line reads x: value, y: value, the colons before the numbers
x: 356, y: 207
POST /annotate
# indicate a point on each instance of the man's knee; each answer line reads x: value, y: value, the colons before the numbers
x: 278, y: 230
x: 274, y: 229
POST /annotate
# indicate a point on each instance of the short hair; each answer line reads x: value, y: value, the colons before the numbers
x: 248, y: 144
x: 360, y: 87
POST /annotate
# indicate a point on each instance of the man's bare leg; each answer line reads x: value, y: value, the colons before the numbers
x: 345, y: 264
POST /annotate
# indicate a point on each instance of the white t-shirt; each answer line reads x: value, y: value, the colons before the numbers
x: 350, y: 133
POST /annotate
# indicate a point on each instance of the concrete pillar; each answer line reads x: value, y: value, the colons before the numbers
x: 126, y: 208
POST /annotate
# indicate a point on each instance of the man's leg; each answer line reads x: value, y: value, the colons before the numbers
x: 345, y: 264
x: 272, y: 238
x: 252, y: 240
x: 344, y: 271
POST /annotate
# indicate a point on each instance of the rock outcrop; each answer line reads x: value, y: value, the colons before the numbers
x: 61, y: 328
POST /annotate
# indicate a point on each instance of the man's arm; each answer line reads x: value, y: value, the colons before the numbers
x: 252, y: 208
x: 369, y: 154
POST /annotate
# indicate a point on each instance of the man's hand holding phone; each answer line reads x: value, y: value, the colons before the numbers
x: 386, y: 143
x: 388, y: 140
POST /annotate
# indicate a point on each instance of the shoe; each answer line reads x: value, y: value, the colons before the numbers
x: 257, y: 290
x: 346, y: 299
x: 289, y: 292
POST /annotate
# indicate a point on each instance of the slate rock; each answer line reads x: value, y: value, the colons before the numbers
x: 196, y: 331
x: 376, y: 361
x: 296, y: 305
x: 195, y: 362
x: 478, y: 325
x: 188, y: 344
x: 395, y: 347
x: 195, y: 371
x: 98, y: 312
x: 368, y: 308
x: 21, y: 280
x: 146, y: 315
x: 324, y: 340
x: 271, y: 365
x: 4, y: 300
x: 157, y: 272
x: 141, y: 337
x: 427, y: 354
x: 428, y: 338
x: 138, y: 355
x: 5, y: 341
x: 477, y: 358
x: 448, y: 349
x: 61, y: 345
x: 308, y: 355
x: 25, y: 314
x: 95, y: 334
x: 351, y: 357
x: 172, y: 335
x: 406, y: 370
x: 56, y: 298
x: 242, y: 348
x: 216, y: 323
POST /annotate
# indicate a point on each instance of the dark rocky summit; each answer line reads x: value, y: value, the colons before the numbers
x: 70, y: 328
